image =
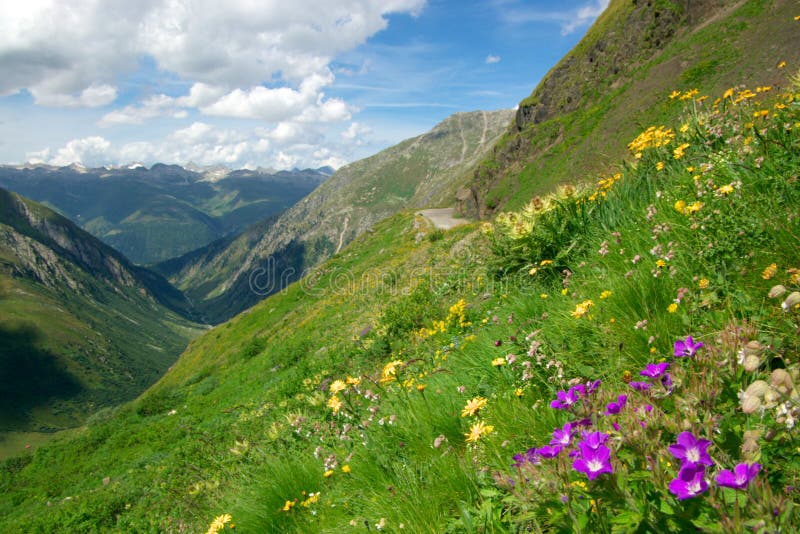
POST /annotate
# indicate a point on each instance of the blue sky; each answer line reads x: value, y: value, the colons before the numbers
x: 249, y: 83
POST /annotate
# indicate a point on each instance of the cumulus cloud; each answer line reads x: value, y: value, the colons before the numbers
x: 492, y: 59
x: 583, y: 16
x: 71, y: 52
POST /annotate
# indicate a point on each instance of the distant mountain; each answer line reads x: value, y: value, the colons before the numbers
x: 154, y: 214
x: 230, y: 275
x: 80, y: 326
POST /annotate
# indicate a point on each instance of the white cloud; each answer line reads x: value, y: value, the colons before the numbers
x: 492, y: 59
x: 584, y: 16
x: 71, y: 52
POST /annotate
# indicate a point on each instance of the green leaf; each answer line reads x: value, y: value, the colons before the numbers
x: 626, y: 521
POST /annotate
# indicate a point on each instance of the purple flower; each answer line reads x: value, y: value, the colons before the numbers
x: 615, y: 407
x: 548, y: 452
x: 519, y: 460
x: 562, y: 437
x: 685, y: 348
x: 690, y: 482
x: 691, y: 451
x: 640, y: 386
x: 593, y: 462
x: 592, y: 386
x: 666, y: 381
x: 565, y: 399
x: 593, y: 440
x: 586, y: 421
x: 654, y: 370
x: 740, y: 477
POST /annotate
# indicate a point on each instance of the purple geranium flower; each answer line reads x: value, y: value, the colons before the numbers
x: 615, y: 407
x: 640, y: 386
x: 592, y: 386
x: 691, y: 451
x: 548, y: 451
x: 666, y: 381
x: 593, y: 440
x: 690, y: 482
x: 562, y: 436
x: 593, y: 462
x: 565, y: 399
x: 654, y: 370
x: 740, y: 477
x: 685, y: 348
x: 586, y: 421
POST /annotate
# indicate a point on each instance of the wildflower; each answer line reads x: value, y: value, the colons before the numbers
x: 626, y: 376
x: 219, y: 523
x: 680, y: 206
x: 353, y: 381
x: 519, y: 392
x: 288, y: 506
x: 328, y: 473
x: 565, y: 291
x: 582, y: 309
x: 565, y: 399
x: 690, y: 450
x: 420, y: 387
x: 690, y: 482
x: 498, y: 342
x: 562, y: 436
x: 473, y: 406
x: 346, y: 468
x: 703, y: 283
x: 660, y: 166
x: 335, y: 404
x: 389, y: 372
x: 593, y: 440
x: 640, y: 386
x: 499, y: 362
x: 593, y: 461
x: 726, y: 189
x: 477, y: 430
x: 616, y: 407
x: 605, y: 294
x: 694, y: 207
x: 441, y: 438
x: 769, y: 272
x: 740, y: 477
x: 654, y: 370
x: 672, y: 308
x: 543, y: 296
x: 782, y: 64
x: 548, y: 451
x: 679, y: 150
x: 337, y: 386
x: 686, y: 348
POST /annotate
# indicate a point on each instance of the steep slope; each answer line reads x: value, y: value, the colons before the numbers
x: 80, y: 327
x: 427, y: 170
x: 162, y: 212
x: 581, y: 115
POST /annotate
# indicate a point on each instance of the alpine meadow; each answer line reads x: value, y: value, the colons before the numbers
x: 604, y: 339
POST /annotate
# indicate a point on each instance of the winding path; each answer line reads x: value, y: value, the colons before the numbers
x: 442, y: 218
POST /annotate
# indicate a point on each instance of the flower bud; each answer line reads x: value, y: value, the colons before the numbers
x: 757, y: 389
x: 777, y: 291
x: 781, y: 381
x: 754, y: 348
x: 791, y: 301
x: 751, y: 363
x: 750, y: 404
x: 771, y: 398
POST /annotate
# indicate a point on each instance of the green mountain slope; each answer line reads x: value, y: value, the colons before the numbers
x: 81, y: 327
x: 232, y: 275
x: 154, y: 214
x: 412, y: 381
x: 581, y: 115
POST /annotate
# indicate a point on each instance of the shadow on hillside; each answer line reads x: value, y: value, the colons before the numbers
x: 29, y: 376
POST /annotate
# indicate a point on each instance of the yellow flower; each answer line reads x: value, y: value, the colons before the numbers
x: 478, y: 430
x: 312, y: 498
x: 627, y: 376
x: 582, y: 309
x: 684, y: 128
x: 473, y: 406
x: 726, y: 189
x: 328, y: 473
x: 660, y: 166
x: 703, y: 283
x: 519, y: 392
x: 564, y: 291
x: 679, y: 150
x: 769, y: 272
x: 544, y: 263
x: 499, y: 362
x: 337, y: 386
x: 288, y: 506
x: 219, y: 523
x: 346, y: 468
x: 353, y: 381
x: 680, y: 206
x: 605, y: 294
x: 420, y: 387
x: 781, y: 64
x: 660, y: 263
x: 674, y: 94
x: 543, y: 296
x: 728, y: 93
x: 389, y: 372
x: 335, y: 404
x: 533, y: 271
x: 694, y: 207
x: 672, y: 308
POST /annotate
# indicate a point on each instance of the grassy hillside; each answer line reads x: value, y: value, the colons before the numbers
x: 154, y: 214
x: 413, y: 381
x: 231, y: 275
x: 80, y: 327
x: 580, y: 116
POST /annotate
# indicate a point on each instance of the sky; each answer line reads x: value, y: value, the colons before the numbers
x: 276, y: 84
